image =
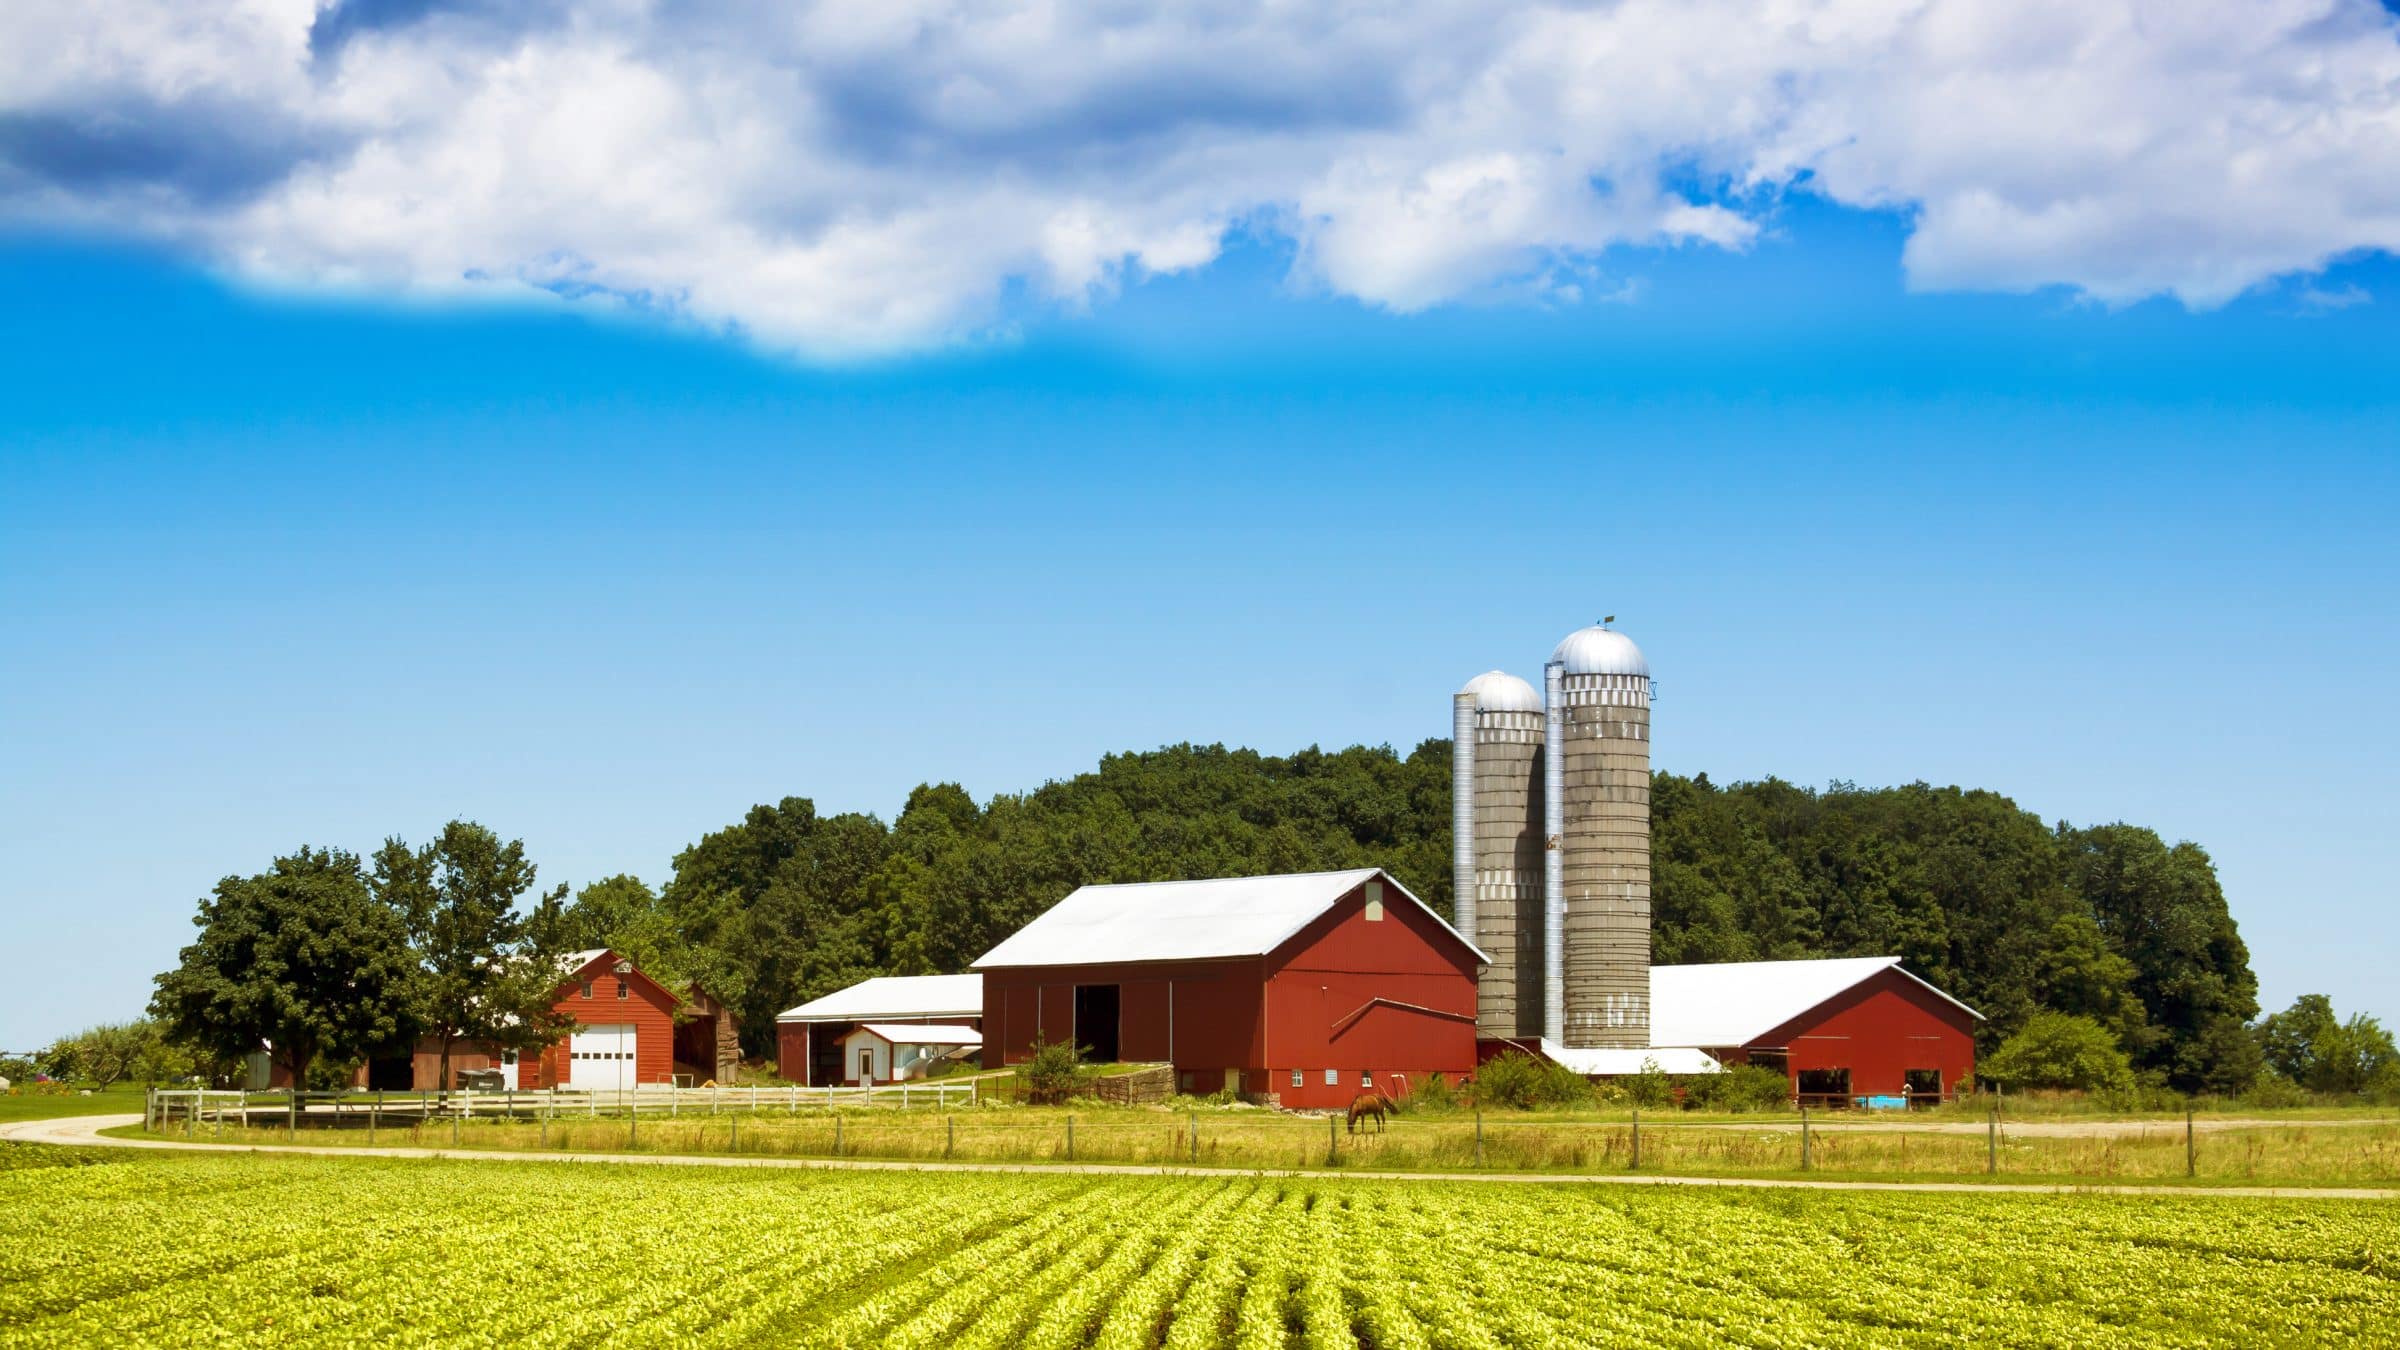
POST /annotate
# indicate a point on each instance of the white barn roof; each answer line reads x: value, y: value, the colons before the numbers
x: 1187, y: 920
x: 1736, y: 1002
x: 921, y: 1033
x: 1598, y: 1063
x: 895, y: 997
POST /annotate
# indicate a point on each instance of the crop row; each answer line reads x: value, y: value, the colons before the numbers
x: 222, y: 1249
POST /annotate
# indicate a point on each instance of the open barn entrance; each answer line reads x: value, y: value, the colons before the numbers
x: 392, y: 1073
x: 1096, y: 1021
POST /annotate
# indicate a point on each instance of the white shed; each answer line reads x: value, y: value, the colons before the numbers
x: 893, y: 1052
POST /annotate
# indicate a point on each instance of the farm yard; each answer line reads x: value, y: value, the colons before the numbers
x: 202, y: 1249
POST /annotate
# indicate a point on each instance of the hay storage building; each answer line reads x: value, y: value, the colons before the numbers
x: 1299, y: 989
x: 808, y: 1039
x: 1843, y: 1030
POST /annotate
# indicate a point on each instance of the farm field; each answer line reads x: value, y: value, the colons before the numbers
x: 2297, y: 1153
x: 26, y: 1104
x: 201, y: 1249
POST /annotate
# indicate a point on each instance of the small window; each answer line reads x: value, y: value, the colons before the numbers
x: 1333, y: 1078
x: 1295, y: 1078
x: 1375, y: 902
x: 587, y: 988
x: 1365, y: 1079
x: 624, y: 989
x: 1184, y: 1081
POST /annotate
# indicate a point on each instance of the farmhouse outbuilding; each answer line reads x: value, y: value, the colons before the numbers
x: 1843, y: 1030
x: 895, y: 1052
x: 808, y: 1038
x: 1301, y: 989
x: 630, y: 1031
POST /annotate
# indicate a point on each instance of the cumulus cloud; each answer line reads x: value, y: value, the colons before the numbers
x: 851, y: 179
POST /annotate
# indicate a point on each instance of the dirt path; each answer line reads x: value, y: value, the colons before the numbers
x: 2023, y: 1129
x: 85, y: 1130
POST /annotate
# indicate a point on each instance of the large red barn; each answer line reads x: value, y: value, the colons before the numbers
x: 1299, y: 989
x: 1841, y: 1029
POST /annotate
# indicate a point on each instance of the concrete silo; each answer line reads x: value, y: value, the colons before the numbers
x: 1596, y: 892
x: 1496, y: 859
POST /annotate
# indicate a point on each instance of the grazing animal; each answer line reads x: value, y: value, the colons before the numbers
x: 1371, y: 1103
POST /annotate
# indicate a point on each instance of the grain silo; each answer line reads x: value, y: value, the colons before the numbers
x: 1496, y: 859
x: 1596, y: 908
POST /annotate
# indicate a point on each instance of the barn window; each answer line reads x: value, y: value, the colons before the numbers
x: 1374, y: 901
x: 1366, y: 1079
x: 587, y: 988
x: 1295, y: 1078
x: 1333, y: 1078
x: 624, y: 989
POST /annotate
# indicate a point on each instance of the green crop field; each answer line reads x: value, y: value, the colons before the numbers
x: 257, y: 1248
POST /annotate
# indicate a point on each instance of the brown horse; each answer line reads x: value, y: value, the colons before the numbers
x: 1371, y: 1103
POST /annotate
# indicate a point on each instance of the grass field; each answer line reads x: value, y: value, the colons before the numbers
x: 198, y: 1249
x: 2318, y: 1154
x: 28, y: 1105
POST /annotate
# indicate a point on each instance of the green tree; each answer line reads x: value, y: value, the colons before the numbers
x: 480, y: 973
x: 300, y: 960
x: 2163, y: 909
x: 2313, y: 1047
x: 2059, y: 1050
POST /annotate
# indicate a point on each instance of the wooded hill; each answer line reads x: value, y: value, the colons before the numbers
x: 1978, y: 895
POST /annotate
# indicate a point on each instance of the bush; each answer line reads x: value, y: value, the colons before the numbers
x: 1520, y: 1082
x: 1051, y: 1075
x: 2056, y: 1050
x: 2274, y: 1092
x: 1435, y: 1095
x: 1741, y: 1087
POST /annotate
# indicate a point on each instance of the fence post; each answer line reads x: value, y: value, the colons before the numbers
x: 1195, y: 1138
x: 2191, y: 1152
x: 837, y: 1136
x: 1333, y: 1143
x: 149, y: 1110
x: 374, y: 1109
x: 733, y: 1134
x: 291, y: 1114
x: 950, y: 1129
x: 633, y: 1122
x: 795, y: 1099
x: 1637, y: 1139
x: 1479, y: 1135
x: 457, y: 1109
x: 546, y: 1104
x: 1804, y: 1158
x: 1991, y: 1143
x: 1070, y: 1139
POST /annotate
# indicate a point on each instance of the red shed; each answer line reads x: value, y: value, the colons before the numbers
x: 624, y: 1037
x: 1842, y: 1029
x: 1297, y: 989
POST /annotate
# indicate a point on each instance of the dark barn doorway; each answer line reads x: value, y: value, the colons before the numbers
x: 392, y: 1073
x: 1096, y: 1008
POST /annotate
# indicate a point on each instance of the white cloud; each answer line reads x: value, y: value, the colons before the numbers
x: 847, y: 179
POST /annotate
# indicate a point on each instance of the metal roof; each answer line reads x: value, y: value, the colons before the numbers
x: 895, y: 996
x: 1187, y: 920
x: 1736, y: 1002
x: 1499, y: 691
x: 922, y: 1033
x: 1593, y: 1062
x: 1600, y: 651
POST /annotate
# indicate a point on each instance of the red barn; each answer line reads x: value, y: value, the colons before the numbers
x: 1299, y: 989
x: 1842, y: 1029
x: 625, y: 1036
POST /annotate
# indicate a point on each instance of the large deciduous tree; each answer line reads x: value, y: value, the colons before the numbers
x: 302, y: 960
x: 479, y: 972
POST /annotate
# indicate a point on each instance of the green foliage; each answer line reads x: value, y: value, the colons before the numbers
x: 2308, y: 1045
x: 1517, y: 1081
x: 17, y: 1069
x: 479, y: 973
x: 1649, y: 1087
x: 1740, y: 1087
x: 1050, y: 1075
x: 1434, y: 1095
x: 303, y: 958
x: 2059, y: 1050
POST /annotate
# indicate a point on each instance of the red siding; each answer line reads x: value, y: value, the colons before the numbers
x: 647, y: 1006
x: 1878, y: 1030
x: 1395, y: 997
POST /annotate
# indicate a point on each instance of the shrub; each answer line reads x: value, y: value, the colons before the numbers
x: 1741, y: 1087
x: 1650, y: 1087
x: 1435, y: 1095
x: 2056, y: 1050
x: 1521, y: 1082
x: 2273, y: 1091
x: 1051, y: 1075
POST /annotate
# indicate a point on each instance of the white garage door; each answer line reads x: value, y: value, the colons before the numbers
x: 602, y: 1059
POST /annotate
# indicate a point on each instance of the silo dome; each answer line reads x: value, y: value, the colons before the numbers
x: 1600, y: 651
x: 1499, y: 691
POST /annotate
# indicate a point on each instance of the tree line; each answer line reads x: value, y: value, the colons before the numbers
x: 2106, y: 926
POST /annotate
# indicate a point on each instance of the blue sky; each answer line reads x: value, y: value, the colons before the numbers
x: 287, y: 568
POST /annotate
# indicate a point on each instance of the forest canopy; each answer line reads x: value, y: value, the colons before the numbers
x: 2011, y: 914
